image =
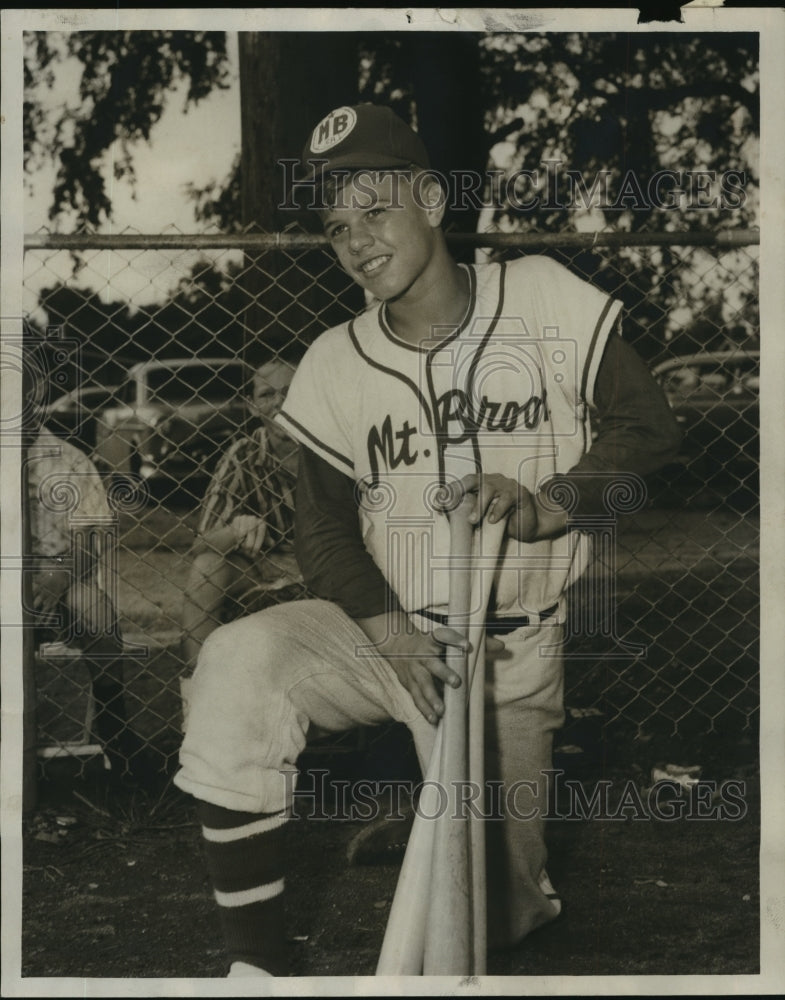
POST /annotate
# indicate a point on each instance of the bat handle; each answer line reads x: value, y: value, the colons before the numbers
x: 449, y: 934
x: 489, y: 541
x: 414, y: 920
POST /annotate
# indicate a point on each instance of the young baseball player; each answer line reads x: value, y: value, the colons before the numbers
x: 244, y: 543
x: 482, y: 375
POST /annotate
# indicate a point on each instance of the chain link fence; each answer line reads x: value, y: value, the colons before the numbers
x: 144, y: 350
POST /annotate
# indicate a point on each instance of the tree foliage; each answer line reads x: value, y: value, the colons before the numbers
x: 621, y: 107
x: 627, y: 107
x: 125, y: 79
x: 203, y: 315
x: 618, y: 111
x: 610, y: 103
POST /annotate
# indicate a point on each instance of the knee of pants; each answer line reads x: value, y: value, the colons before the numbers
x: 242, y: 733
x: 246, y: 651
x: 245, y: 668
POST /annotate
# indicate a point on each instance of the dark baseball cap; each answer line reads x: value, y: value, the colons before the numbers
x: 364, y: 136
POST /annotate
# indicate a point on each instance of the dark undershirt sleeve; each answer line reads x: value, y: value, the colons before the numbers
x: 330, y: 551
x: 636, y: 430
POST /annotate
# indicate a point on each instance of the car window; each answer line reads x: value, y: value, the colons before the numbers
x: 195, y: 383
x: 736, y: 378
x: 95, y: 399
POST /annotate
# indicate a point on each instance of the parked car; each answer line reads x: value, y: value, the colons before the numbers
x: 715, y: 399
x: 172, y: 417
x: 74, y: 414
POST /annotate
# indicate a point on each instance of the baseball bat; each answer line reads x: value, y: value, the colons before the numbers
x: 449, y: 936
x: 487, y: 548
x: 458, y: 877
x: 403, y: 947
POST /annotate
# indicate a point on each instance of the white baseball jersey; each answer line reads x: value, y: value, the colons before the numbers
x: 506, y: 392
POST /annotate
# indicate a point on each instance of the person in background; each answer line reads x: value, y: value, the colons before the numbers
x: 243, y: 553
x: 64, y: 492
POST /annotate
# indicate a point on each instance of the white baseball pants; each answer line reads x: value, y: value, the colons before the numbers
x: 263, y: 681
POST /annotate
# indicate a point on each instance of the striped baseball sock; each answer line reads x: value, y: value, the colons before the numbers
x: 245, y: 859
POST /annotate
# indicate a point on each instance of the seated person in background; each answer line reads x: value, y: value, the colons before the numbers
x: 64, y: 490
x: 243, y: 553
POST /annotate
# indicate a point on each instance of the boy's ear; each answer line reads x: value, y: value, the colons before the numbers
x: 433, y: 199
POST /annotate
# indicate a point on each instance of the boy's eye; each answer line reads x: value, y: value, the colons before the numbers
x: 333, y: 232
x: 373, y: 212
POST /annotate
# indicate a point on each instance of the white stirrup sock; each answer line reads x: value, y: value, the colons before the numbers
x: 244, y: 969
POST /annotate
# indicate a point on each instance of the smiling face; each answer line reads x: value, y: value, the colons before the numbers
x: 385, y: 230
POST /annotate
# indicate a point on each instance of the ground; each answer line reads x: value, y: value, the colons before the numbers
x: 115, y: 884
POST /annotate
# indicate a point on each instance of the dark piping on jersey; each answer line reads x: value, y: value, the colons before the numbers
x: 466, y: 414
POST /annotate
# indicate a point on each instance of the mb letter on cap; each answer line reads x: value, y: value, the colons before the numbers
x: 332, y: 129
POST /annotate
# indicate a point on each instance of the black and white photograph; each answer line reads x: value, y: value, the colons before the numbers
x: 392, y: 556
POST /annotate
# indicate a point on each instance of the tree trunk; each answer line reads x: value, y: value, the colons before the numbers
x: 445, y: 75
x: 288, y: 82
x: 259, y: 68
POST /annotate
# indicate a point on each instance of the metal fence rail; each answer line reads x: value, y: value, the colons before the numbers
x: 684, y: 566
x: 308, y: 241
